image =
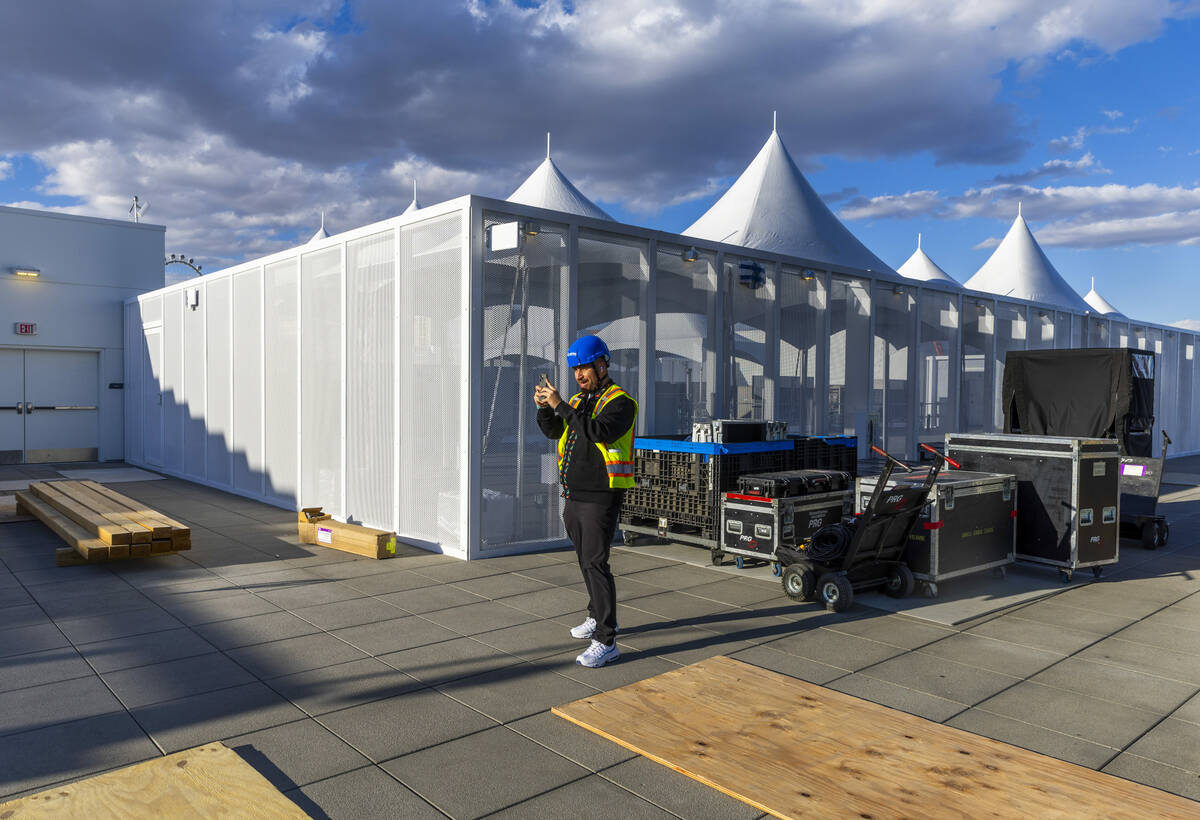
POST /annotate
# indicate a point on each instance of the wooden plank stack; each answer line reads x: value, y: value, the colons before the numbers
x: 100, y: 524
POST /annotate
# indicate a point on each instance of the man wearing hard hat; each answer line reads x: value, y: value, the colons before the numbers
x: 595, y: 465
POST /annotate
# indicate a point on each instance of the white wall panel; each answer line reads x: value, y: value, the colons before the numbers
x: 134, y: 365
x: 321, y: 380
x: 219, y: 389
x: 172, y: 385
x: 247, y: 382
x: 370, y: 380
x: 281, y: 367
x: 430, y: 380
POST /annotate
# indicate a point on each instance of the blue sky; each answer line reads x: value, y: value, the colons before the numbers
x: 935, y: 117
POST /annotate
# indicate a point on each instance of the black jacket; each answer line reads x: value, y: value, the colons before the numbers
x: 586, y: 477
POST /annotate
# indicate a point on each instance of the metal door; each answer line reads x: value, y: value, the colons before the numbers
x: 152, y: 399
x: 12, y: 406
x: 62, y: 416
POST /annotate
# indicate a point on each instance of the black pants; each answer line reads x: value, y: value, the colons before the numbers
x: 591, y: 527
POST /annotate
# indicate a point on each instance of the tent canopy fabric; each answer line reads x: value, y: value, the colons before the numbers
x: 1019, y: 268
x: 772, y: 207
x: 547, y: 187
x: 920, y: 266
x: 1102, y: 305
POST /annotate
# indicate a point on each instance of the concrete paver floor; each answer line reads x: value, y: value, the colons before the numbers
x: 420, y: 686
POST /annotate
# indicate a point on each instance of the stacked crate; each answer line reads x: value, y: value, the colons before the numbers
x: 681, y: 482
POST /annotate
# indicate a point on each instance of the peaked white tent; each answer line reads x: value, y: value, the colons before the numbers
x: 547, y: 187
x: 414, y: 205
x: 772, y: 207
x: 1019, y: 268
x: 321, y: 232
x: 920, y: 266
x: 1102, y: 305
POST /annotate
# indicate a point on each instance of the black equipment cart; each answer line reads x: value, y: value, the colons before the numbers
x: 969, y: 525
x: 865, y: 552
x: 1096, y: 393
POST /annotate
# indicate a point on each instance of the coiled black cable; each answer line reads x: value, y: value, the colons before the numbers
x: 830, y: 543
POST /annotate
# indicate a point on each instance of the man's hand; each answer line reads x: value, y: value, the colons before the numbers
x: 546, y: 395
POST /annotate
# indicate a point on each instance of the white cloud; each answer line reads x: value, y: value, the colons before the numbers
x: 1113, y: 114
x: 1085, y: 165
x: 1187, y: 324
x: 898, y: 206
x: 6, y: 168
x: 1074, y: 142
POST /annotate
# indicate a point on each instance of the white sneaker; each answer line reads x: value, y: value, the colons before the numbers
x: 598, y: 654
x: 584, y: 630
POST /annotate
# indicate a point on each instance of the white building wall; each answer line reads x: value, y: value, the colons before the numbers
x: 88, y: 268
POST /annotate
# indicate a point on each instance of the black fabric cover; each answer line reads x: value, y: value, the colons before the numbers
x: 1091, y: 392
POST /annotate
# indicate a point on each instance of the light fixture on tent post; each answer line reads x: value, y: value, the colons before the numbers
x: 808, y: 274
x: 691, y: 254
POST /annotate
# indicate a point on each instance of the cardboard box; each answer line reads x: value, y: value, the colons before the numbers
x: 315, y: 527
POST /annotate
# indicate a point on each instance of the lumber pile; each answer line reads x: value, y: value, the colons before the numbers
x: 100, y: 524
x: 315, y: 527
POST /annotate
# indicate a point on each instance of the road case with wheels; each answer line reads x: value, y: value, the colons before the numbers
x: 968, y: 525
x: 754, y: 526
x: 1067, y: 497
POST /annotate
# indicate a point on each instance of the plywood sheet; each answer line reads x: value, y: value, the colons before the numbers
x: 204, y: 782
x: 794, y: 749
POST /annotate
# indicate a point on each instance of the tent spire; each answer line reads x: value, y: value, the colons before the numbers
x: 547, y: 145
x: 414, y: 190
x: 1018, y: 207
x: 322, y: 219
x: 774, y: 121
x: 918, y: 240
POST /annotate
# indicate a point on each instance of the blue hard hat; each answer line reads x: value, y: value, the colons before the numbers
x: 585, y: 350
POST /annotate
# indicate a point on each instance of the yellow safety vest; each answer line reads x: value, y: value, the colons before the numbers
x: 618, y: 455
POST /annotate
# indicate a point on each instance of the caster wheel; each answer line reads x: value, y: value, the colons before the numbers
x: 835, y: 592
x: 900, y: 583
x: 1164, y: 530
x: 799, y: 583
x: 628, y: 538
x: 776, y: 569
x: 1064, y: 575
x: 931, y: 590
x: 740, y: 561
x: 1097, y: 572
x: 718, y: 558
x: 1153, y: 534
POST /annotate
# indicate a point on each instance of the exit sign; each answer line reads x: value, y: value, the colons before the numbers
x: 26, y: 328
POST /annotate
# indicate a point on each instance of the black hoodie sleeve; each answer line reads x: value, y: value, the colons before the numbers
x: 550, y: 424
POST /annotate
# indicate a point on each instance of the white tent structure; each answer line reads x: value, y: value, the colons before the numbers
x: 548, y: 187
x: 1019, y: 268
x: 772, y: 207
x: 1102, y: 305
x: 385, y: 373
x: 321, y: 232
x: 414, y: 205
x: 919, y: 266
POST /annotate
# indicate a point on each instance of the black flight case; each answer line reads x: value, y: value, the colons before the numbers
x: 968, y: 525
x: 770, y: 510
x: 1067, y: 495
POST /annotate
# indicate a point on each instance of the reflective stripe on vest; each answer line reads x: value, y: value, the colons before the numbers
x: 618, y: 455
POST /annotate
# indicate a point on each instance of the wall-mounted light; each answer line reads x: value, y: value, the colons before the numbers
x: 193, y: 298
x: 691, y: 254
x: 899, y: 290
x: 808, y: 275
x: 981, y: 306
x: 529, y: 229
x: 26, y: 272
x: 1043, y: 314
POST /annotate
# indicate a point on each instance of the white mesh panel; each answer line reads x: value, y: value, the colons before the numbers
x: 280, y: 380
x: 321, y: 380
x: 172, y: 364
x: 430, y: 379
x: 193, y: 387
x: 684, y: 358
x: 892, y: 381
x: 133, y: 382
x: 937, y: 366
x: 247, y: 382
x: 220, y: 409
x: 370, y: 389
x: 803, y: 302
